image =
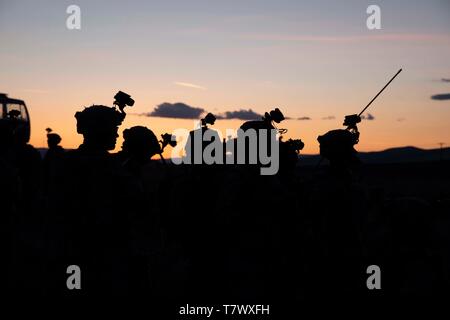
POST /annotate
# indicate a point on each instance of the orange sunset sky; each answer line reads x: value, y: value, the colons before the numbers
x: 313, y: 59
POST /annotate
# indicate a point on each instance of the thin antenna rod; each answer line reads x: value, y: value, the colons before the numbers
x: 379, y: 92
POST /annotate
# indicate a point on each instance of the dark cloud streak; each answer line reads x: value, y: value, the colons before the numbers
x: 369, y: 116
x: 440, y: 97
x: 176, y: 110
x: 241, y: 115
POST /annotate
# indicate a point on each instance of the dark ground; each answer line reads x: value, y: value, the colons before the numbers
x: 218, y: 235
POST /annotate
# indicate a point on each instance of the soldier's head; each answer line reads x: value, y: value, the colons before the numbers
x: 140, y: 142
x: 99, y: 125
x: 208, y: 119
x: 53, y: 139
x: 276, y: 115
x: 351, y: 121
x: 338, y: 146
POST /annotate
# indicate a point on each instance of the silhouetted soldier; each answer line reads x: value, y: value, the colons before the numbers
x: 52, y: 158
x: 192, y: 230
x: 98, y: 125
x: 289, y: 153
x: 54, y: 149
x: 152, y: 182
x: 338, y: 147
x: 139, y: 146
x: 253, y: 208
x: 267, y: 123
x: 195, y: 145
x: 338, y: 203
x: 91, y: 203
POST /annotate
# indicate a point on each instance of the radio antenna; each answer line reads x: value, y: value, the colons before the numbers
x: 365, y: 108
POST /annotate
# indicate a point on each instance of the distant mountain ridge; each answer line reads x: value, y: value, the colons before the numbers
x: 392, y: 155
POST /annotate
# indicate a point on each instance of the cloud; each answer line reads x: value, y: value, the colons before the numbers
x: 241, y: 115
x: 329, y: 118
x: 176, y: 110
x: 189, y: 85
x: 368, y: 117
x: 443, y: 96
x: 304, y: 118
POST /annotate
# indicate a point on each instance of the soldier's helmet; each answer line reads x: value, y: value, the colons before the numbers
x: 266, y: 123
x: 140, y: 142
x: 276, y: 115
x: 99, y: 124
x: 352, y: 120
x: 338, y: 145
x: 53, y: 139
x: 208, y: 119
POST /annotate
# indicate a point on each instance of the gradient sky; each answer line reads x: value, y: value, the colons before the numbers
x: 309, y: 58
